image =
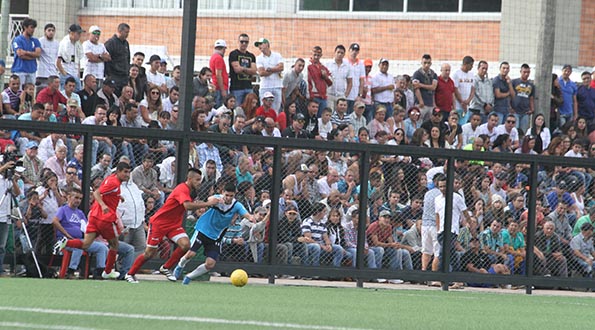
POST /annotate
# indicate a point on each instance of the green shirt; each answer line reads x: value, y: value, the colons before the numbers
x: 577, y: 226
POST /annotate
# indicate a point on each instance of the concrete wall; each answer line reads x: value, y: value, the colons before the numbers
x: 62, y: 13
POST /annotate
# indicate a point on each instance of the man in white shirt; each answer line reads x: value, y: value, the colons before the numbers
x: 508, y: 128
x: 270, y: 129
x: 383, y: 86
x: 101, y: 144
x: 358, y: 73
x: 489, y: 128
x: 270, y: 69
x: 341, y: 77
x: 95, y: 55
x: 154, y: 77
x: 470, y: 128
x: 173, y: 98
x: 70, y: 53
x: 464, y: 81
x: 49, y: 54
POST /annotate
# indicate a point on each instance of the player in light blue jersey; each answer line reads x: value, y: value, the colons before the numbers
x: 210, y: 228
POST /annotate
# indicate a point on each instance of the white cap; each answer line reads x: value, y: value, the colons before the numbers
x: 593, y: 70
x: 94, y: 28
x: 266, y: 202
x: 220, y: 43
x: 268, y: 95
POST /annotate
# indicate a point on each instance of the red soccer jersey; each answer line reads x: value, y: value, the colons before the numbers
x: 217, y: 63
x: 110, y: 193
x: 172, y: 212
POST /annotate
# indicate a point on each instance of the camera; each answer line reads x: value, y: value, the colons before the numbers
x: 12, y: 156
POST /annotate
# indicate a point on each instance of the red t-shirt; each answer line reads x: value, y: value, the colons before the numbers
x: 172, y: 212
x: 271, y: 113
x: 110, y: 193
x: 217, y: 63
x: 383, y: 233
x: 44, y: 96
x: 444, y: 94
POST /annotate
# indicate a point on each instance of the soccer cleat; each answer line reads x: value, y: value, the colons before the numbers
x: 131, y: 279
x: 167, y: 274
x: 186, y: 280
x: 178, y: 271
x: 60, y: 245
x: 111, y: 276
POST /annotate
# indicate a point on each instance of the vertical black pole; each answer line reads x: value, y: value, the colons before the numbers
x: 274, y: 210
x: 188, y: 43
x: 87, y: 152
x: 364, y: 175
x: 531, y: 225
x: 447, y: 235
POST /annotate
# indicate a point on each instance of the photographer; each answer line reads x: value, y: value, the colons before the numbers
x: 7, y: 183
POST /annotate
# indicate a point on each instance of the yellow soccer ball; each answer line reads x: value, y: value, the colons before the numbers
x: 239, y: 277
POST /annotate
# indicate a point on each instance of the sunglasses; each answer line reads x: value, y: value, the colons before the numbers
x: 415, y: 113
x: 97, y: 33
x: 155, y: 93
x: 511, y: 121
x: 292, y: 213
x: 71, y: 173
x: 244, y: 41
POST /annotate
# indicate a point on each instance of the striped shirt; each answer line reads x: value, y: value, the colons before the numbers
x: 316, y: 229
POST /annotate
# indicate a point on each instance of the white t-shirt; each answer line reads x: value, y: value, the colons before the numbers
x: 501, y: 129
x: 381, y: 80
x: 463, y: 82
x: 458, y: 207
x: 339, y: 74
x: 46, y: 64
x: 95, y: 69
x: 468, y: 133
x: 156, y: 79
x: 358, y: 70
x: 483, y: 129
x: 71, y: 55
x: 274, y: 80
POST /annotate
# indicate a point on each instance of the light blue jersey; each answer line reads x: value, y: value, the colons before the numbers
x: 218, y: 217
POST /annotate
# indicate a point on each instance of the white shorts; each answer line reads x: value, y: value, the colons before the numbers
x: 429, y: 242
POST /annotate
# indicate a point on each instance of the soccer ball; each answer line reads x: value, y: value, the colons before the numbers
x: 239, y: 277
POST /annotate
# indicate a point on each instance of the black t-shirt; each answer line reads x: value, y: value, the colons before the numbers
x: 480, y: 260
x: 240, y: 81
x: 89, y: 102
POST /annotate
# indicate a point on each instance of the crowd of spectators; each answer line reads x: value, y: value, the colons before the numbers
x: 347, y: 99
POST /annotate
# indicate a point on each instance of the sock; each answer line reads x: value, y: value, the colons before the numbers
x: 202, y: 269
x: 74, y: 243
x: 175, y: 257
x: 183, y: 261
x: 138, y: 263
x: 111, y: 260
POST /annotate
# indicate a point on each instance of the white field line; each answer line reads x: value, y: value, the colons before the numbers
x: 175, y: 318
x: 14, y: 325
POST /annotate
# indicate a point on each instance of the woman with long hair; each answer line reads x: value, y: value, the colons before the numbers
x: 151, y: 106
x: 413, y: 122
x: 580, y: 127
x: 437, y: 139
x: 397, y: 120
x: 363, y: 135
x: 455, y: 133
x: 481, y: 189
x: 249, y: 106
x: 285, y: 117
x: 555, y: 103
x: 419, y: 138
x: 527, y: 146
x: 541, y: 133
x: 138, y: 85
x: 503, y: 143
x: 198, y: 121
x: 555, y: 147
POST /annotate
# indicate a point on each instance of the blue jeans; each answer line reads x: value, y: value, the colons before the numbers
x: 522, y: 121
x: 4, y: 228
x: 126, y: 257
x: 96, y: 248
x: 259, y: 252
x: 218, y: 99
x: 321, y: 105
x: 370, y: 257
x: 77, y: 81
x: 240, y: 94
x: 312, y: 255
x: 501, y: 117
x: 336, y: 254
x: 101, y: 147
x: 564, y: 119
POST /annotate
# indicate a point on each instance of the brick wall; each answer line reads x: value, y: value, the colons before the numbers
x: 404, y: 40
x: 587, y: 44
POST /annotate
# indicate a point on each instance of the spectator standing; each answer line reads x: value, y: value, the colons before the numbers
x: 319, y: 79
x: 220, y: 75
x: 445, y: 92
x: 382, y: 88
x: 270, y: 70
x: 585, y: 97
x: 503, y: 92
x: 465, y: 91
x: 483, y: 98
x: 568, y: 110
x: 342, y: 80
x: 27, y: 49
x: 95, y: 55
x: 118, y: 48
x: 523, y: 102
x: 424, y: 82
x: 132, y: 212
x: 70, y: 54
x: 358, y: 73
x: 49, y: 55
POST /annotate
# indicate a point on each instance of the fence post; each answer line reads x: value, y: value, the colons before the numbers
x: 533, y: 184
x: 87, y: 154
x: 364, y: 175
x: 447, y: 235
x: 274, y: 210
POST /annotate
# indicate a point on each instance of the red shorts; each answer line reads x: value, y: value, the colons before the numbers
x: 157, y: 233
x: 107, y: 230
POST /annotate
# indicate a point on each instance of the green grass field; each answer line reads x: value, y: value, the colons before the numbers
x: 63, y: 304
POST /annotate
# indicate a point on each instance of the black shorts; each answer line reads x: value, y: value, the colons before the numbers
x: 212, y: 248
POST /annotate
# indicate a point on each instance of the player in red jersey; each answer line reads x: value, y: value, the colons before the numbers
x: 167, y: 222
x: 103, y: 219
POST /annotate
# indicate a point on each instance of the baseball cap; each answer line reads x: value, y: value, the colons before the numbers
x: 290, y: 207
x: 261, y: 41
x: 259, y: 119
x: 220, y: 43
x: 94, y: 28
x: 109, y: 82
x: 304, y: 168
x: 75, y: 28
x: 32, y: 145
x: 354, y: 46
x: 72, y: 103
x: 384, y: 213
x: 382, y: 60
x: 266, y: 202
x: 593, y: 70
x: 299, y: 116
x: 368, y: 62
x: 268, y: 95
x: 359, y: 104
x: 436, y: 110
x: 567, y: 66
x: 153, y: 58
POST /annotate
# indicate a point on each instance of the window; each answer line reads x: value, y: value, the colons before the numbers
x: 479, y: 6
x: 438, y: 6
x: 378, y: 5
x: 335, y: 5
x: 433, y: 6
